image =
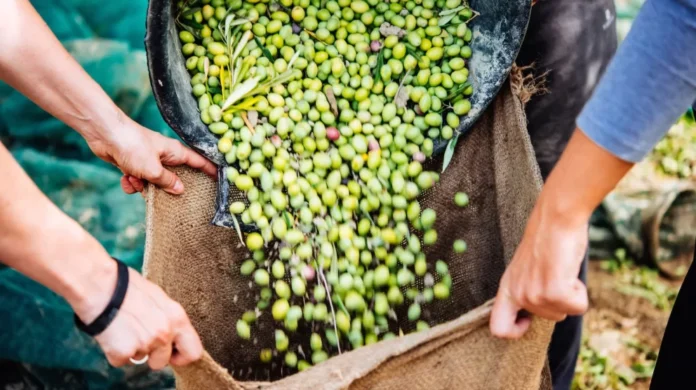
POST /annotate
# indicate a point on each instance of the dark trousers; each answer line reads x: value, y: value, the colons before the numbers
x: 676, y: 358
x: 572, y: 42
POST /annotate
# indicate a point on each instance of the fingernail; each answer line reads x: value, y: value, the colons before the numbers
x: 178, y: 187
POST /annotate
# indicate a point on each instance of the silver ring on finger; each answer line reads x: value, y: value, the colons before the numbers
x: 141, y: 361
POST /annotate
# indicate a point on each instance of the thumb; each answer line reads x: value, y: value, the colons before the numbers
x: 504, y: 322
x: 167, y: 180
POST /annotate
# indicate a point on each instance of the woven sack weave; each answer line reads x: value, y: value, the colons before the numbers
x: 197, y: 264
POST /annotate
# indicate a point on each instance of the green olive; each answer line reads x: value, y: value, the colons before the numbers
x: 282, y: 289
x: 459, y: 246
x: 243, y: 330
x: 247, y: 267
x: 441, y: 291
x: 290, y: 359
x: 280, y: 309
x: 254, y: 241
x: 414, y: 312
x: 461, y: 199
x: 261, y: 277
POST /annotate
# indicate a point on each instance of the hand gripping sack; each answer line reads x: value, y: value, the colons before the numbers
x: 198, y: 264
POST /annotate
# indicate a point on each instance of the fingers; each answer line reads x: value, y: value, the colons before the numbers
x: 577, y: 302
x: 136, y: 183
x: 160, y: 356
x: 554, y: 305
x: 187, y: 342
x: 127, y: 186
x: 119, y: 346
x: 131, y: 185
x: 166, y: 180
x: 150, y: 324
x: 175, y: 153
x: 188, y: 348
x: 119, y: 357
x: 195, y: 160
x: 504, y: 322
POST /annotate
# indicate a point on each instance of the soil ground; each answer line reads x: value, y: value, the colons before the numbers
x: 622, y: 330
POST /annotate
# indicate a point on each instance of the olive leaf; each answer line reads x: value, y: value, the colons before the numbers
x: 246, y: 105
x: 283, y: 77
x: 190, y: 3
x: 368, y: 216
x: 313, y: 35
x: 334, y: 265
x: 457, y: 91
x: 242, y: 90
x: 190, y: 11
x: 339, y: 303
x: 236, y: 76
x: 242, y: 44
x: 386, y: 29
x: 190, y: 23
x: 444, y: 20
x: 236, y: 227
x: 449, y: 152
x: 452, y: 11
x: 264, y: 50
x: 378, y: 67
x: 189, y: 29
x: 222, y: 80
x: 322, y: 278
x: 229, y: 23
x: 293, y: 59
x: 332, y: 101
x: 401, y: 97
x: 410, y: 49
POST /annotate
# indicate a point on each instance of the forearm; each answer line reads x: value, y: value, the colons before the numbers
x: 43, y: 243
x: 584, y: 175
x: 33, y: 61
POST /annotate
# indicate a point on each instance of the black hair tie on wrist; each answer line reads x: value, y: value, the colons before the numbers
x: 104, y: 319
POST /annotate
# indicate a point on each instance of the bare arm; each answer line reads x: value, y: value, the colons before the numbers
x: 647, y: 86
x: 40, y: 241
x: 33, y: 61
x: 43, y: 243
x: 543, y: 275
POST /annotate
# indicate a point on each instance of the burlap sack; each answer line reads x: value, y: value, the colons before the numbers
x: 198, y: 265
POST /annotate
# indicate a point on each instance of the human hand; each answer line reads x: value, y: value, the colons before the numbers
x: 149, y: 323
x: 543, y: 275
x: 144, y: 155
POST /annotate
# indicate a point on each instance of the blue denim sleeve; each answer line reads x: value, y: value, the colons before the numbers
x: 650, y: 82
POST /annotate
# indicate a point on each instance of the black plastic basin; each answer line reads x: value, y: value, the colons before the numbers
x: 498, y: 34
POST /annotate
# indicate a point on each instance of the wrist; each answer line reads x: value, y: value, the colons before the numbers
x: 564, y: 211
x: 103, y: 126
x: 93, y: 290
x: 111, y: 136
x: 86, y: 276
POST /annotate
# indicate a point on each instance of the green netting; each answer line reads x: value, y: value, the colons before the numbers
x: 107, y: 39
